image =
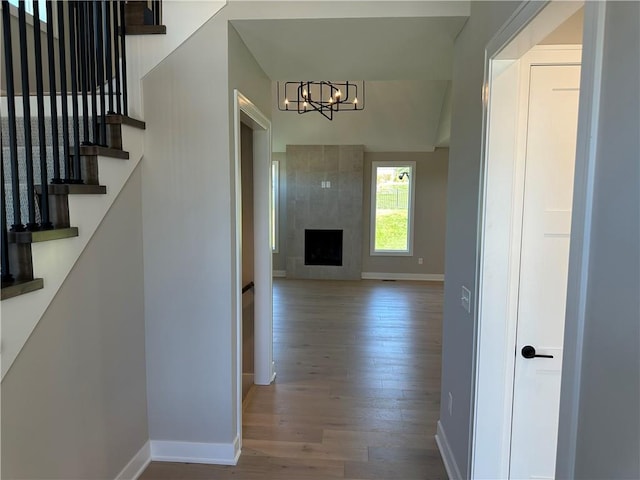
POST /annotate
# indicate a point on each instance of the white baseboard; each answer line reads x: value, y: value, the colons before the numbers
x: 424, y: 277
x: 137, y: 464
x: 279, y: 273
x: 447, y: 455
x: 191, y: 452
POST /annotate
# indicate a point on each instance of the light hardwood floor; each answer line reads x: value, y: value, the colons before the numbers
x: 357, y: 391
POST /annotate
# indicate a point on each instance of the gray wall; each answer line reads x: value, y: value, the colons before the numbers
x: 429, y: 219
x: 15, y: 43
x: 189, y: 232
x: 74, y: 402
x: 17, y: 71
x: 462, y: 215
x: 309, y: 206
x: 608, y: 418
x: 609, y: 413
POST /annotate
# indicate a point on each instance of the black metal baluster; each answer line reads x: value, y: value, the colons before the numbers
x: 116, y: 51
x: 26, y: 112
x: 156, y: 9
x: 92, y: 61
x: 81, y: 13
x: 17, y: 225
x: 109, y: 53
x: 73, y: 21
x: 45, y: 224
x: 62, y: 55
x: 125, y: 106
x: 100, y: 59
x: 53, y: 95
x: 4, y: 240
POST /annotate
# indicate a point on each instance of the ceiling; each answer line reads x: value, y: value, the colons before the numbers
x: 408, y: 60
x: 353, y: 48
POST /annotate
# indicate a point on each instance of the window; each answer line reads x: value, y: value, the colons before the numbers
x: 275, y: 180
x: 392, y: 198
x: 28, y: 8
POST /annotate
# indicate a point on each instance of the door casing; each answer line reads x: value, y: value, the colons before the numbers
x: 264, y: 368
x: 495, y: 272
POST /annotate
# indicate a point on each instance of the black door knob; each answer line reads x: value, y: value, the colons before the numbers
x: 530, y: 352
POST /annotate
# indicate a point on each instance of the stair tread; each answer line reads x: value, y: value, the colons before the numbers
x: 73, y: 189
x: 115, y: 119
x: 20, y: 287
x: 104, y: 151
x: 43, y: 235
x: 146, y: 29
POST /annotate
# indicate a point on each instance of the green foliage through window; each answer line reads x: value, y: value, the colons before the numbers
x: 392, y: 200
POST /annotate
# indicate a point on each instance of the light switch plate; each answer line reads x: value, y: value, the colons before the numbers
x: 465, y: 299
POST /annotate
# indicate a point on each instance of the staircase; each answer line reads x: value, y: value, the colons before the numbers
x: 67, y: 152
x: 20, y: 242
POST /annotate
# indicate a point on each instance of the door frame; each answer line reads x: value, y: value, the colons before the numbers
x: 495, y: 325
x: 264, y: 368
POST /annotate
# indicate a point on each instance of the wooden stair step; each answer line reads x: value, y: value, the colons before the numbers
x: 72, y: 189
x: 43, y: 235
x: 103, y: 151
x: 146, y: 30
x: 116, y: 119
x: 20, y: 287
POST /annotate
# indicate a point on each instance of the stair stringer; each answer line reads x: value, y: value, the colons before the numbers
x: 54, y: 260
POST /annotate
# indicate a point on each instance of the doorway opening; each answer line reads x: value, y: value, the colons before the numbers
x: 531, y: 97
x: 253, y: 262
x: 247, y: 241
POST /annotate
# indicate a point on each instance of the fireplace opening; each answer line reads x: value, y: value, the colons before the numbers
x: 323, y: 247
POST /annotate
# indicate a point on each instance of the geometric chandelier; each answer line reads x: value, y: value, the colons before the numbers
x: 321, y: 96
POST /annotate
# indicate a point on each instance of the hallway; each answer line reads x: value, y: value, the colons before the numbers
x: 357, y: 390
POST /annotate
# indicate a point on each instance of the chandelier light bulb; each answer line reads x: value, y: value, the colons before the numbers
x: 355, y: 101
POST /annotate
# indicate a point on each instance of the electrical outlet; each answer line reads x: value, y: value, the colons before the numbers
x: 450, y: 404
x: 328, y: 183
x: 465, y: 299
x: 420, y: 260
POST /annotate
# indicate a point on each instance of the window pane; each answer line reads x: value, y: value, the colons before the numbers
x: 392, y: 208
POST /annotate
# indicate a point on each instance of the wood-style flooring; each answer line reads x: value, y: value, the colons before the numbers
x: 357, y: 391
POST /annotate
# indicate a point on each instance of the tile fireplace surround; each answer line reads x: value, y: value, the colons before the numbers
x: 324, y: 191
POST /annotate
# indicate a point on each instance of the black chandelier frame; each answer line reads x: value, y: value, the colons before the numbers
x: 321, y: 96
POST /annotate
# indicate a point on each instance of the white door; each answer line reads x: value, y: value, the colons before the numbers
x: 548, y: 187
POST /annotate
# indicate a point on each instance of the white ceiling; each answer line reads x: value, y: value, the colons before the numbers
x: 408, y: 61
x: 353, y: 48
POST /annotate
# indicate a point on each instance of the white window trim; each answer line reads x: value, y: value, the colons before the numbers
x: 372, y: 229
x: 275, y: 185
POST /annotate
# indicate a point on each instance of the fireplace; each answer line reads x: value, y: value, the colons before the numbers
x: 323, y: 247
